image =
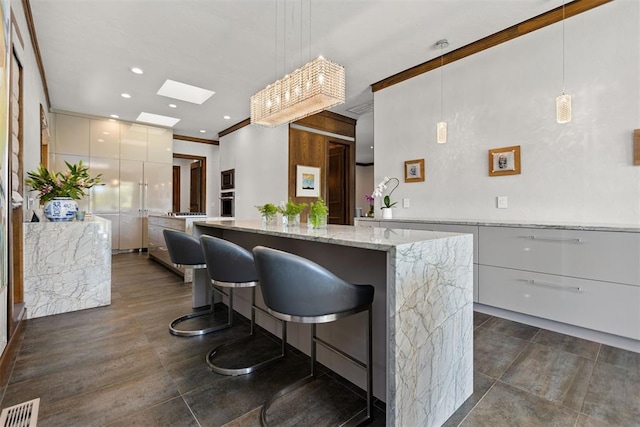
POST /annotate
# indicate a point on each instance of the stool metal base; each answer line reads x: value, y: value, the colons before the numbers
x: 248, y: 369
x: 363, y: 416
x: 204, y: 331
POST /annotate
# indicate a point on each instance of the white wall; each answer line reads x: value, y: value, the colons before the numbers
x: 260, y: 157
x: 580, y: 172
x: 364, y: 186
x: 212, y: 153
x: 32, y: 92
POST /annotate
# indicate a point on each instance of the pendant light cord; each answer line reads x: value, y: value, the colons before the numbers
x: 441, y: 83
x: 563, y: 60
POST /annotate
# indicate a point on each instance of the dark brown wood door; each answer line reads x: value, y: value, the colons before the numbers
x: 176, y: 189
x: 336, y: 183
x: 195, y: 201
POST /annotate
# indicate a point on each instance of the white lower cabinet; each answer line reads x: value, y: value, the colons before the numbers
x: 602, y: 306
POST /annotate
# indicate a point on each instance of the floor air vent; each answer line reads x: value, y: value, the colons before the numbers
x: 21, y: 415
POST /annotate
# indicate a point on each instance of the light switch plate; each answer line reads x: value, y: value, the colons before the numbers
x: 502, y: 202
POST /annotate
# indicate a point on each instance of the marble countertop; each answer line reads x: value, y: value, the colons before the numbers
x: 630, y: 228
x: 345, y: 235
x: 93, y: 219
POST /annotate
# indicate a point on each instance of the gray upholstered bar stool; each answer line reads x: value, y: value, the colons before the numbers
x: 296, y: 289
x: 231, y: 266
x: 184, y: 250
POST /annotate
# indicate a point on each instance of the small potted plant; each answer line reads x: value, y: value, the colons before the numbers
x: 291, y: 213
x: 318, y: 212
x: 59, y: 191
x: 269, y: 213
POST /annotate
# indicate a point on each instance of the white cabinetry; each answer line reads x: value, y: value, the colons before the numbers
x: 145, y: 188
x: 589, y: 279
x: 135, y: 163
x: 71, y: 135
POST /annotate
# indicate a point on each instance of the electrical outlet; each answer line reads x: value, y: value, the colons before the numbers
x: 405, y: 203
x: 502, y: 202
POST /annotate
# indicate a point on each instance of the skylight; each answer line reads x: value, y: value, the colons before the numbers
x: 157, y: 119
x: 184, y: 92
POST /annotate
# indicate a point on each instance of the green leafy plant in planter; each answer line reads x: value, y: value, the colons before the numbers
x: 318, y: 212
x: 291, y: 212
x: 71, y: 183
x: 269, y: 212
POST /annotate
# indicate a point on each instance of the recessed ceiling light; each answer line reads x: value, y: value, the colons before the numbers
x: 100, y: 140
x: 115, y: 116
x: 157, y: 119
x: 184, y: 92
x: 137, y: 70
x: 125, y: 95
x: 203, y: 131
x: 372, y: 147
x: 173, y: 106
x: 226, y: 117
x: 105, y: 133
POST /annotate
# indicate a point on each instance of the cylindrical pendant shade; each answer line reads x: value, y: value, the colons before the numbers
x: 441, y: 132
x: 563, y: 108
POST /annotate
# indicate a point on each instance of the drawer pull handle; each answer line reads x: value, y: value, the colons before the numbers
x: 555, y: 239
x: 552, y: 285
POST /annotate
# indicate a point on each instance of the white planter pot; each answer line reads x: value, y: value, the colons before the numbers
x: 387, y: 213
x: 61, y: 209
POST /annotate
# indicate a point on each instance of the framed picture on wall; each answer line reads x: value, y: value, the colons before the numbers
x: 307, y: 181
x: 504, y: 161
x: 414, y: 170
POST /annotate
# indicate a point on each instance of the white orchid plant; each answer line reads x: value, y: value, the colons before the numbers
x: 379, y: 191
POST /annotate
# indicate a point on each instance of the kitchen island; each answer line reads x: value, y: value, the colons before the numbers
x: 67, y: 266
x: 423, y: 312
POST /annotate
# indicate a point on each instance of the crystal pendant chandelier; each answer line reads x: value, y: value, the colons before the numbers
x: 316, y: 86
x: 563, y: 102
x: 441, y: 126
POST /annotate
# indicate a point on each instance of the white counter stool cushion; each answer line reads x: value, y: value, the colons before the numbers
x: 296, y: 289
x: 231, y: 266
x: 185, y: 251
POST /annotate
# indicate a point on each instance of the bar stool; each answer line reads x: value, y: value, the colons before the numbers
x: 296, y: 289
x: 231, y: 266
x: 184, y: 250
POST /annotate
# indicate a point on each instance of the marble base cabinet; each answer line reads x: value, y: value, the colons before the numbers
x: 67, y: 266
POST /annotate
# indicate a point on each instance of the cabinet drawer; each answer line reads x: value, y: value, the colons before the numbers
x: 171, y: 223
x: 596, y: 255
x: 602, y: 306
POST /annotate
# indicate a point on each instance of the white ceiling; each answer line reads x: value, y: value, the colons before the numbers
x: 236, y: 47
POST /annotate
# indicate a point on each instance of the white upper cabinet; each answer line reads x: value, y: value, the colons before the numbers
x: 72, y: 135
x: 160, y: 145
x: 133, y: 142
x: 105, y: 139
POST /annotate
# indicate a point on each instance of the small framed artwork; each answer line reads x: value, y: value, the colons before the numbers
x: 414, y: 170
x: 307, y: 181
x: 504, y: 161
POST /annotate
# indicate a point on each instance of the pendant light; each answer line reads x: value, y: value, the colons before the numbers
x: 441, y: 126
x: 563, y: 102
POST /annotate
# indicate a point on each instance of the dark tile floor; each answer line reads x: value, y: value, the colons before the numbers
x: 119, y: 366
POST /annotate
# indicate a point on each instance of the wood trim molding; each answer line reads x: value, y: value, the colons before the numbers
x: 194, y: 139
x: 551, y: 17
x: 11, y: 350
x: 227, y: 131
x: 17, y: 28
x: 36, y: 48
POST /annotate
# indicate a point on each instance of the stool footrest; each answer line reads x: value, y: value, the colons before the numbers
x: 240, y: 371
x: 196, y: 332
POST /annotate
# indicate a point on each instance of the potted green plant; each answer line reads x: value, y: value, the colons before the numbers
x: 269, y: 213
x: 59, y: 191
x: 291, y: 212
x: 318, y: 212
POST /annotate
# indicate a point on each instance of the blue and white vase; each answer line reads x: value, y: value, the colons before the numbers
x: 61, y: 209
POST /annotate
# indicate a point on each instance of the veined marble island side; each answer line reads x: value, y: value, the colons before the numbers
x: 423, y: 312
x: 67, y: 266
